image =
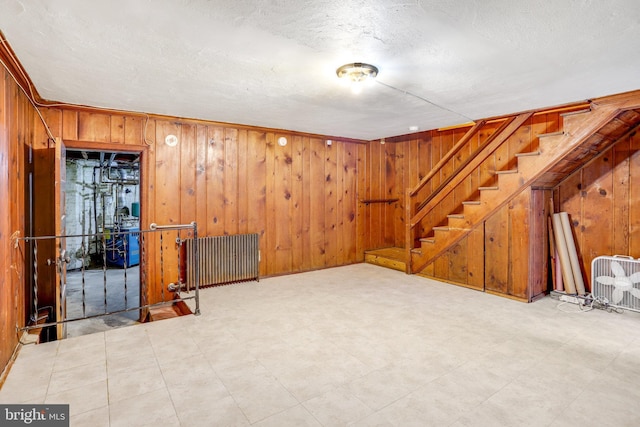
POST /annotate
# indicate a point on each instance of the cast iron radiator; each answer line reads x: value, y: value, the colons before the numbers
x: 223, y: 259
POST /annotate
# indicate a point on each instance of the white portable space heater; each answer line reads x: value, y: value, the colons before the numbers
x: 616, y: 280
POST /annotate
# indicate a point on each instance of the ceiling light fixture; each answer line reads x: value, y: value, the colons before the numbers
x: 357, y: 73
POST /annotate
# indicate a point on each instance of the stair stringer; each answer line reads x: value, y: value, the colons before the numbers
x: 552, y: 149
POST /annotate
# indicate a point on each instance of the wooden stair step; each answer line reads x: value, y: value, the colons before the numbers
x: 471, y: 202
x: 506, y: 172
x: 572, y: 113
x: 528, y: 154
x: 488, y: 188
x: 393, y: 258
x: 458, y: 221
x: 177, y: 309
x: 455, y: 215
x: 441, y: 228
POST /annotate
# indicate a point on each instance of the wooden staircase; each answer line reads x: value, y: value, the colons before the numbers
x: 578, y: 129
x: 530, y: 166
x: 585, y: 132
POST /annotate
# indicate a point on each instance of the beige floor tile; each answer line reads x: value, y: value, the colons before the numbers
x: 79, y: 343
x: 87, y: 355
x: 77, y: 377
x: 131, y: 362
x: 170, y: 349
x: 337, y: 407
x: 262, y: 400
x: 193, y: 383
x: 23, y: 388
x: 244, y: 375
x: 297, y: 416
x: 98, y: 417
x: 42, y: 351
x: 215, y: 412
x: 223, y: 357
x: 400, y: 413
x: 154, y: 408
x: 131, y: 383
x: 82, y: 399
x: 377, y: 390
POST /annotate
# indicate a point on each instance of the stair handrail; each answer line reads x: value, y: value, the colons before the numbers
x: 508, y: 127
x: 452, y: 152
x: 468, y: 166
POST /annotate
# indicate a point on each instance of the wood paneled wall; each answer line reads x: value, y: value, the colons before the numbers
x: 19, y: 124
x: 301, y: 198
x: 603, y: 202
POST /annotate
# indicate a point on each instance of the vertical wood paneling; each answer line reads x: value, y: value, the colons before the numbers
x: 350, y: 203
x: 538, y: 250
x: 518, y: 234
x: 391, y: 179
x: 243, y: 188
x: 458, y: 263
x: 201, y: 178
x: 317, y: 203
x: 598, y: 184
x: 282, y: 194
x: 307, y: 213
x: 117, y: 129
x: 375, y: 185
x: 271, y: 238
x: 363, y: 212
x: 341, y: 174
x: 496, y: 247
x: 441, y: 267
x: 230, y: 192
x: 297, y: 204
x: 475, y: 267
x: 215, y: 181
x: 602, y: 199
x: 20, y: 128
x: 70, y: 130
x: 188, y: 170
x: 257, y: 197
x: 621, y: 195
x: 8, y: 312
x: 634, y: 196
x: 133, y: 130
x: 403, y: 172
x: 94, y: 127
x: 169, y: 198
x: 331, y: 205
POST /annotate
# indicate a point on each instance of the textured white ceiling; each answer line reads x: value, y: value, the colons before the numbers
x: 272, y: 62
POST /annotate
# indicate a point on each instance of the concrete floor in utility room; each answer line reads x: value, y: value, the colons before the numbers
x: 357, y: 345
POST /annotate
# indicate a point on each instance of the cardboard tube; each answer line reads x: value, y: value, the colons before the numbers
x: 573, y: 253
x: 556, y: 272
x: 559, y: 283
x: 563, y: 254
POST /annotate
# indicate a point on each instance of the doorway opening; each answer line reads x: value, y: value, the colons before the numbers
x: 102, y: 199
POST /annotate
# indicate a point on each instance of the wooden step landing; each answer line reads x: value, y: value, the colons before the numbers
x: 169, y: 311
x: 394, y: 258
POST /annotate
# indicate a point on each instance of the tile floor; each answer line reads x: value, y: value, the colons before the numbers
x: 358, y: 345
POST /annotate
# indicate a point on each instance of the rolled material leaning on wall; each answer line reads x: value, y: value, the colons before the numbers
x: 563, y: 254
x: 573, y: 254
